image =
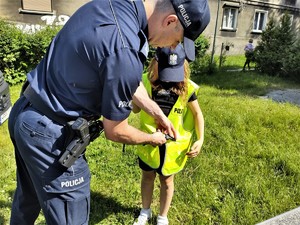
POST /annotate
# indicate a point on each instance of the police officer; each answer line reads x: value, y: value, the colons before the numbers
x: 92, y: 68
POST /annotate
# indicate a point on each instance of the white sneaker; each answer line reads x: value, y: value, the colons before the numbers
x: 162, y: 220
x: 141, y: 220
x: 144, y: 216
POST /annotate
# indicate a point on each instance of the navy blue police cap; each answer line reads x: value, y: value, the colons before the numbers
x: 194, y: 16
x: 171, y: 64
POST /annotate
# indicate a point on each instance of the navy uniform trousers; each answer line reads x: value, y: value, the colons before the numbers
x: 42, y: 183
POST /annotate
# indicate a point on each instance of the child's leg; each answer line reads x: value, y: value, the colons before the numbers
x: 166, y: 193
x: 147, y: 186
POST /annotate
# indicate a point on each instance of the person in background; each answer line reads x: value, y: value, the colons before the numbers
x: 92, y: 69
x: 168, y: 84
x: 249, y: 54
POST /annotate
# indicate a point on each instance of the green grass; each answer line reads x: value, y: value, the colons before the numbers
x: 232, y: 62
x: 248, y: 170
x: 235, y: 61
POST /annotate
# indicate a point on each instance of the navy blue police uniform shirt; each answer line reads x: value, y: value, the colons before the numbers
x: 94, y: 64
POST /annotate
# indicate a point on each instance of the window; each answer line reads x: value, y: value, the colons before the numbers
x: 229, y: 18
x: 36, y: 6
x: 260, y: 20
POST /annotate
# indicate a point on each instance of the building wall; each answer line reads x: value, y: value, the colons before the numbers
x: 62, y: 10
x: 236, y: 39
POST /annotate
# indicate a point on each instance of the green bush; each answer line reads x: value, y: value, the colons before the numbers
x: 202, y: 64
x: 11, y: 40
x: 201, y: 46
x: 21, y: 52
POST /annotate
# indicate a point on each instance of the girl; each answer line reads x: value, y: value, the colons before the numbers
x: 168, y: 84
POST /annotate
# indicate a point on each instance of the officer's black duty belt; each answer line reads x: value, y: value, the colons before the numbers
x: 39, y: 105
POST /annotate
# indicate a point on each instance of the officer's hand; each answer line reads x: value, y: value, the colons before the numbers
x: 158, y: 138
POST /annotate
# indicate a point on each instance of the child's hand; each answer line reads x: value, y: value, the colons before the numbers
x: 195, y: 149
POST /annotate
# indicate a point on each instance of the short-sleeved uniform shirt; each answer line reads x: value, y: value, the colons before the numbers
x: 94, y: 64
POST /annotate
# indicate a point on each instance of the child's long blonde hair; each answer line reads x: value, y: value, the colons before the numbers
x: 180, y: 88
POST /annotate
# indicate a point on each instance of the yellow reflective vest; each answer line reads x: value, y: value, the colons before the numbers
x: 182, y: 118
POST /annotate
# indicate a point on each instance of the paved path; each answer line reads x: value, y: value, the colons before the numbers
x: 287, y: 95
x: 288, y: 218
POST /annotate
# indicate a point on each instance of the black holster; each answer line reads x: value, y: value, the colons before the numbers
x: 80, y: 133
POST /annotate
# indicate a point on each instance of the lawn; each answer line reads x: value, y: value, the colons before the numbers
x: 248, y: 170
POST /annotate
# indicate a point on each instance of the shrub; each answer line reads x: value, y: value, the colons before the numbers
x: 11, y: 40
x: 202, y: 64
x: 21, y: 52
x: 201, y: 46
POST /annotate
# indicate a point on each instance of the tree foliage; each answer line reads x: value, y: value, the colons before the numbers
x: 276, y: 53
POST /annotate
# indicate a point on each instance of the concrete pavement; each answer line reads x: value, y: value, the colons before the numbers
x: 291, y: 217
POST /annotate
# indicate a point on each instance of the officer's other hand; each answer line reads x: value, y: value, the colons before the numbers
x: 167, y: 127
